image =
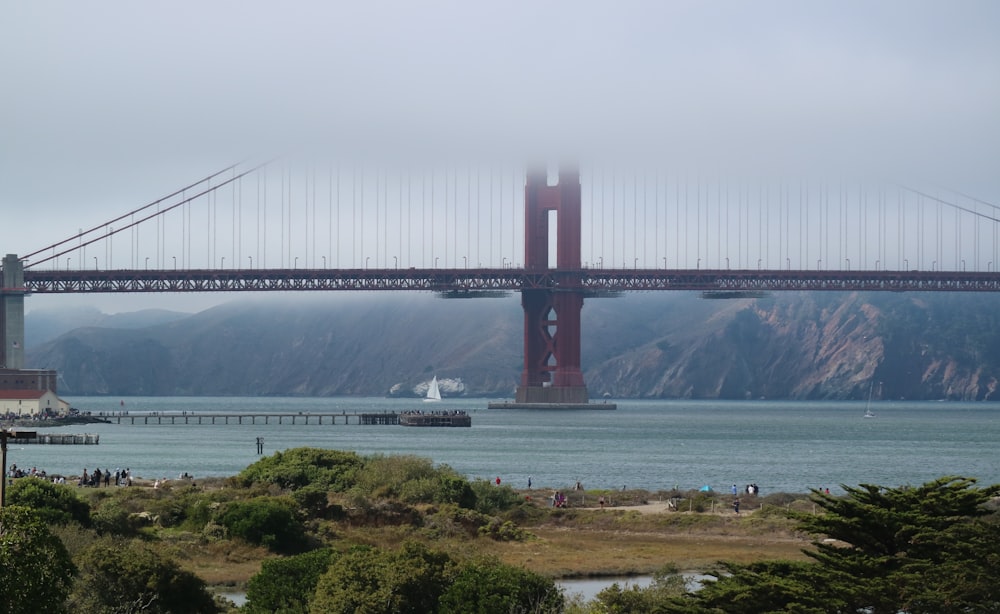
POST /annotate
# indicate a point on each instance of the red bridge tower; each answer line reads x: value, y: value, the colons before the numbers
x: 552, y: 317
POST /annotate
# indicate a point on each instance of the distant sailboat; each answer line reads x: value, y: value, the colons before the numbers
x: 868, y: 410
x: 433, y: 392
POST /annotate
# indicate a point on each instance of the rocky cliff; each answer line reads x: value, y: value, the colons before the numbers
x: 808, y: 345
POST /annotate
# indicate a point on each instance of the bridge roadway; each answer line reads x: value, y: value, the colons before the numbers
x: 483, y: 282
x: 153, y: 417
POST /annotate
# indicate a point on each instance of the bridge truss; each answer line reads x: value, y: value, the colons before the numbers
x: 476, y: 282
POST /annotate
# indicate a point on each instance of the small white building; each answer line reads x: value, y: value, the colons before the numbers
x: 31, y: 402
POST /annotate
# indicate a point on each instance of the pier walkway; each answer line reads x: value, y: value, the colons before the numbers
x: 332, y: 418
x: 87, y: 439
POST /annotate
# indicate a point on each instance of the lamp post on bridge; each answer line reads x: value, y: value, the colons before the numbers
x: 848, y: 263
x: 67, y: 264
x: 251, y: 261
x: 175, y: 262
x: 465, y: 261
x: 222, y: 264
x: 367, y: 257
x: 295, y: 263
x: 819, y: 264
x: 95, y: 263
x: 324, y: 262
x: 664, y: 262
x: 147, y: 263
x: 395, y: 262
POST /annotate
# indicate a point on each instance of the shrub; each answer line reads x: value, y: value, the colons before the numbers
x: 503, y: 531
x: 265, y: 521
x: 452, y: 521
x: 370, y: 581
x: 312, y: 500
x: 113, y: 519
x: 412, y: 479
x: 492, y: 499
x: 287, y: 584
x: 488, y: 586
x: 53, y: 503
x: 129, y: 576
x: 299, y: 467
x: 35, y: 569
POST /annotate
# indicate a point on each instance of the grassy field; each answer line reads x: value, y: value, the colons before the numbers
x: 560, y: 543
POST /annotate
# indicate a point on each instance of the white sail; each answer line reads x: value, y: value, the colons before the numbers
x: 433, y: 392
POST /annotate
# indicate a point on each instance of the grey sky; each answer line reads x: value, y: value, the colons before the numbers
x: 107, y: 106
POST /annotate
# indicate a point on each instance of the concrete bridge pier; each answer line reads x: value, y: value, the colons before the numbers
x: 12, y: 314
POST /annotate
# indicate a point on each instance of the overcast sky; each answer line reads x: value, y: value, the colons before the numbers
x: 106, y: 106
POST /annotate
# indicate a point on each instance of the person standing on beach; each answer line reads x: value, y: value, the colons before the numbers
x: 736, y: 506
x: 529, y: 482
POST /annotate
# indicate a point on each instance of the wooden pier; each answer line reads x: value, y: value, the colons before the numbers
x: 331, y: 418
x: 88, y: 439
x: 436, y: 419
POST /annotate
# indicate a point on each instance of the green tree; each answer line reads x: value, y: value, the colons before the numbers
x: 54, y: 503
x: 126, y: 577
x: 921, y: 550
x: 492, y: 587
x: 35, y: 570
x: 265, y: 521
x: 369, y: 581
x: 287, y: 584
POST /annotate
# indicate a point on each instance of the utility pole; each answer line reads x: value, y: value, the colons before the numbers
x: 6, y: 434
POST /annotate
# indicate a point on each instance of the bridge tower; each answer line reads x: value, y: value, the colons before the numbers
x: 12, y: 314
x: 552, y: 317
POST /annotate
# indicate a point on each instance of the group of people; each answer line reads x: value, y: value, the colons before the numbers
x: 121, y: 477
x: 16, y: 472
x: 558, y: 499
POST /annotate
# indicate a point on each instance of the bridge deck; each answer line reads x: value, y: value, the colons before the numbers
x: 472, y: 283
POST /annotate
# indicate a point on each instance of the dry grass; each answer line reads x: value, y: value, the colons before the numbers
x: 575, y: 542
x: 228, y: 563
x: 561, y: 552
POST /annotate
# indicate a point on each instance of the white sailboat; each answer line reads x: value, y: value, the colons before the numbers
x: 433, y: 392
x: 868, y: 405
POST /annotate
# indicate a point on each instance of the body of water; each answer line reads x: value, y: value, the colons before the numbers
x: 780, y: 446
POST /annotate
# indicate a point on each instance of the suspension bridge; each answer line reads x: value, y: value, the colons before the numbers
x: 557, y: 239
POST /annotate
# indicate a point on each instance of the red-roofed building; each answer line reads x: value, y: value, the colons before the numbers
x: 31, y: 402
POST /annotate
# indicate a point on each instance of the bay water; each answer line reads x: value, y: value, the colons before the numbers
x: 786, y: 446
